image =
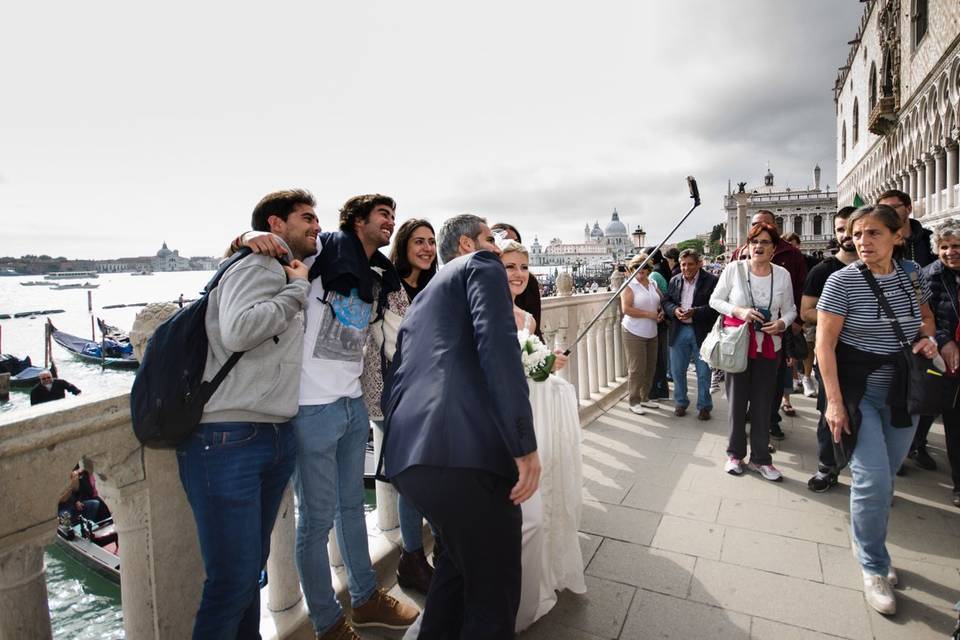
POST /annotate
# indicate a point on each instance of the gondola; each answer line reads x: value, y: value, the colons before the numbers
x: 93, y: 544
x: 117, y: 354
x: 22, y: 372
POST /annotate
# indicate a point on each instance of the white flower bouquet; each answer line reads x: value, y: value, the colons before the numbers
x: 536, y: 357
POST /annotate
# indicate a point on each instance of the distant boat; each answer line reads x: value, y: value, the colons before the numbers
x: 35, y: 283
x: 74, y: 285
x: 21, y: 370
x: 111, y: 352
x: 71, y: 275
x: 142, y: 272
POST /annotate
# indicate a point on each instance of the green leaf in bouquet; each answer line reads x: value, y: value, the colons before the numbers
x: 542, y: 372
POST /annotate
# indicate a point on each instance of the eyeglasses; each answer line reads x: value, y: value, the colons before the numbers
x: 761, y: 243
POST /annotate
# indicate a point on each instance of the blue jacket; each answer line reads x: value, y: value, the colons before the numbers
x: 458, y: 396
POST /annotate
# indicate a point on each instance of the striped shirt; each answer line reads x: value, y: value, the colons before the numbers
x: 865, y: 326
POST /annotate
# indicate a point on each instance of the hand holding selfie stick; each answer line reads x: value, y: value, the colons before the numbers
x: 695, y: 194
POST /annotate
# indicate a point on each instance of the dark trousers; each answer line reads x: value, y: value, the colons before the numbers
x: 475, y: 590
x: 234, y: 475
x: 758, y: 386
x: 826, y: 461
x: 951, y: 432
x: 659, y: 389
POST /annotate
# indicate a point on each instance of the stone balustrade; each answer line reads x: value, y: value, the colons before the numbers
x: 161, y: 569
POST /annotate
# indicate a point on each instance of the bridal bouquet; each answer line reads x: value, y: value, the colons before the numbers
x: 537, y: 359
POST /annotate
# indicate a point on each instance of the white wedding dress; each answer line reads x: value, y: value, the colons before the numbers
x: 551, y: 558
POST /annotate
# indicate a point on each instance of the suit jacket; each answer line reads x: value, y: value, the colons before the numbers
x: 703, y: 314
x: 458, y: 395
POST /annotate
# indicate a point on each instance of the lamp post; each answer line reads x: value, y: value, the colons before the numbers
x: 639, y: 238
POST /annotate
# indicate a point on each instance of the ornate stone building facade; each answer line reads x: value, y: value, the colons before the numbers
x: 609, y: 244
x: 807, y: 212
x: 897, y: 99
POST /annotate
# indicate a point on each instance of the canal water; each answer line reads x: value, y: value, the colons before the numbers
x: 84, y: 605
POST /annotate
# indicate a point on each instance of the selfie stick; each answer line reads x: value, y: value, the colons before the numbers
x: 695, y: 194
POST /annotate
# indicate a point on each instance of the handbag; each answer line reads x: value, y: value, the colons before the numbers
x: 925, y: 387
x: 726, y: 348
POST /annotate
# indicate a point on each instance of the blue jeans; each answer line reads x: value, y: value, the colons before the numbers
x: 879, y: 452
x: 331, y: 443
x: 411, y: 520
x: 234, y: 475
x: 684, y: 346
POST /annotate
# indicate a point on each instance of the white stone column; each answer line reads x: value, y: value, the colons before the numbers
x: 742, y: 220
x: 939, y: 176
x: 583, y: 367
x: 912, y: 190
x: 905, y: 181
x: 283, y: 586
x: 600, y: 333
x: 951, y: 176
x: 591, y: 340
x: 388, y: 518
x: 929, y: 165
x: 609, y: 330
x: 24, y: 612
x: 619, y: 355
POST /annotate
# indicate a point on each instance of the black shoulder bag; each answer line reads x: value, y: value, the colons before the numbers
x: 925, y: 390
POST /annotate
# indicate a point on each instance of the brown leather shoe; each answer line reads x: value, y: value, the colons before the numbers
x: 704, y: 414
x: 414, y: 572
x: 340, y: 631
x: 383, y: 610
x: 680, y: 412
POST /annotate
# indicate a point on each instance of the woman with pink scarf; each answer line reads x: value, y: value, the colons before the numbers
x: 760, y: 293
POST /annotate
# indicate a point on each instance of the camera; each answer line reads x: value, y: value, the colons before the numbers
x: 757, y: 324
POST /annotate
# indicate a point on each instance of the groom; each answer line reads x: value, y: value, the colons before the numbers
x: 460, y: 442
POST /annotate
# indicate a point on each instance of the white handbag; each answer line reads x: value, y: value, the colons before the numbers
x: 727, y: 348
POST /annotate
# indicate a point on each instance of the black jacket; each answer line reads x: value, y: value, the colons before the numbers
x: 917, y: 246
x: 703, y: 314
x: 39, y: 394
x: 943, y: 286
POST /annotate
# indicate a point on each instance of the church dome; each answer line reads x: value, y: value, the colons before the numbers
x: 164, y: 251
x: 596, y: 232
x: 615, y: 227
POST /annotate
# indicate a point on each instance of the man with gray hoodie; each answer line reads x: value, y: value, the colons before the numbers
x: 235, y: 466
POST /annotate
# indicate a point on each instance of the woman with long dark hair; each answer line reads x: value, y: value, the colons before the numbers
x: 414, y: 254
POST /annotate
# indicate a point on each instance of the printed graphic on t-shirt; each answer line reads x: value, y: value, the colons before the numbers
x: 343, y: 328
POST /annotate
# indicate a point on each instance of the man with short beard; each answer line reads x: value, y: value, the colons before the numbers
x: 349, y: 281
x: 826, y: 476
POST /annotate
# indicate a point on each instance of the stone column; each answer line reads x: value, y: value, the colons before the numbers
x: 951, y: 175
x: 24, y: 612
x: 283, y: 587
x: 912, y: 190
x: 591, y: 340
x: 599, y: 331
x: 609, y: 330
x: 618, y: 353
x: 583, y: 368
x: 905, y: 181
x: 939, y: 176
x: 929, y: 165
x: 743, y: 221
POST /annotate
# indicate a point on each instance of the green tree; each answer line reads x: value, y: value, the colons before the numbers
x: 691, y: 244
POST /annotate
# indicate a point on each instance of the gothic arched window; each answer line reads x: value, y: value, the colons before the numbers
x: 817, y: 225
x: 856, y: 123
x: 873, y: 85
x: 779, y: 221
x: 798, y: 225
x: 918, y: 18
x: 843, y: 142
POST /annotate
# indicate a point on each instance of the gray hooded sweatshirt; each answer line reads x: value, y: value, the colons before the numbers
x: 254, y: 309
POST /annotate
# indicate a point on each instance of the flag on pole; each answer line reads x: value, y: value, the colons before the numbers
x: 857, y: 200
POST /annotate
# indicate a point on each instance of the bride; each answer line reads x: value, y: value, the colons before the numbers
x: 551, y: 557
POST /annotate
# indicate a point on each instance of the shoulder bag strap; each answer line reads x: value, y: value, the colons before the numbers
x: 882, y: 301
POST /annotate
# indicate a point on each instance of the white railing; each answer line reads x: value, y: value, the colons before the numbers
x: 161, y: 570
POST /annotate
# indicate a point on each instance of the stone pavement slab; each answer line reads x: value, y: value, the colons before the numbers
x: 655, y: 615
x: 640, y: 566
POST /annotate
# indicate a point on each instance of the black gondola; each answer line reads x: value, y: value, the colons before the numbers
x: 109, y: 353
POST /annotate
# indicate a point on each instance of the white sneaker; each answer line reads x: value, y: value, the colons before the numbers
x: 650, y: 404
x: 892, y: 577
x: 733, y: 466
x: 809, y: 387
x: 637, y: 409
x: 768, y: 471
x: 879, y: 594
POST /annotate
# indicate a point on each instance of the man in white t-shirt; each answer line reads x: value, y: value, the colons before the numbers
x: 348, y: 276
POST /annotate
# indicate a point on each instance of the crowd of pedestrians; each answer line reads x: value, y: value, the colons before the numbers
x: 340, y: 338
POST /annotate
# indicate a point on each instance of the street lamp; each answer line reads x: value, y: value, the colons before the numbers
x: 639, y: 238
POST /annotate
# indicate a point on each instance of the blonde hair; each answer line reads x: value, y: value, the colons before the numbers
x: 637, y: 260
x: 506, y: 246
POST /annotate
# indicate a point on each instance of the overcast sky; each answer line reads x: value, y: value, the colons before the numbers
x: 123, y: 124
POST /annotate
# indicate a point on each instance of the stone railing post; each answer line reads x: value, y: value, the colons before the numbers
x: 388, y: 518
x: 609, y: 330
x: 592, y: 371
x: 583, y: 365
x: 283, y: 582
x: 24, y: 612
x: 599, y: 331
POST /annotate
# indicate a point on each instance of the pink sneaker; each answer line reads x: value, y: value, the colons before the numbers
x: 733, y: 466
x: 768, y: 471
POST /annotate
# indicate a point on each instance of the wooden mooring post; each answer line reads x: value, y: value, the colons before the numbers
x: 4, y: 387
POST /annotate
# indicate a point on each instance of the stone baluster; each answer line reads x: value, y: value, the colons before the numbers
x: 594, y: 379
x: 283, y: 587
x: 24, y: 612
x: 583, y: 368
x: 599, y: 335
x: 619, y: 353
x: 388, y: 518
x: 609, y: 331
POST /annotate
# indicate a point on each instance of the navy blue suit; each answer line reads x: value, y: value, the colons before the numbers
x: 457, y: 414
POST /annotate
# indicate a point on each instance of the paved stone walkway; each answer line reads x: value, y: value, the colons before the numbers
x: 675, y: 548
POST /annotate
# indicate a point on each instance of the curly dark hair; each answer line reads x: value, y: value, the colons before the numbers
x: 280, y: 204
x: 359, y: 208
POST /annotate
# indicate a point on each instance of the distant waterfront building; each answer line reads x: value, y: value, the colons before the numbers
x: 167, y: 260
x: 163, y: 260
x: 609, y: 244
x: 897, y: 103
x: 807, y: 212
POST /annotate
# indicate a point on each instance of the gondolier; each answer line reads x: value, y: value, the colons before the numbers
x: 50, y: 389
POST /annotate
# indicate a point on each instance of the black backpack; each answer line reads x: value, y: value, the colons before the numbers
x: 168, y: 394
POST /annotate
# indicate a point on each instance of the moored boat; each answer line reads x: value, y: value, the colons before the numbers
x: 110, y: 352
x: 35, y: 283
x: 71, y: 275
